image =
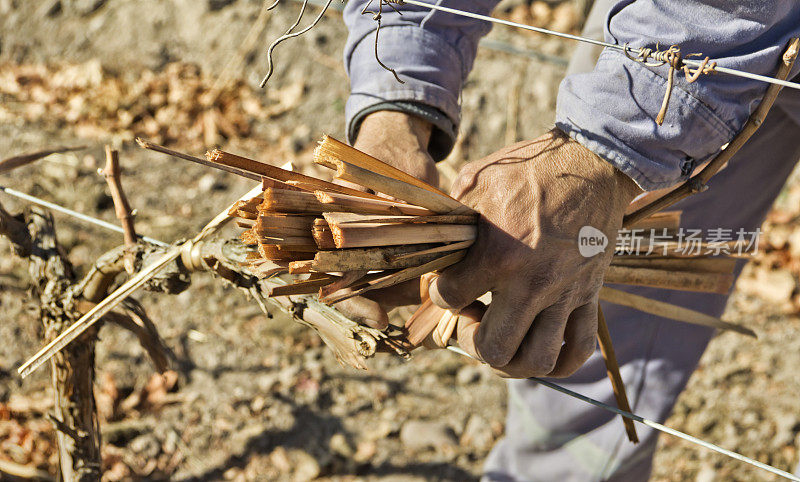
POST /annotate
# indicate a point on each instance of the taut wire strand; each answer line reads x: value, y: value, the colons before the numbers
x: 75, y: 214
x: 653, y: 425
x: 686, y: 61
x: 632, y: 416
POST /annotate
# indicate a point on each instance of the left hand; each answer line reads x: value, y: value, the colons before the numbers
x: 400, y: 140
x: 534, y: 197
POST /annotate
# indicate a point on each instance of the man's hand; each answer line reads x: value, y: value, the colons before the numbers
x: 402, y: 141
x: 534, y: 197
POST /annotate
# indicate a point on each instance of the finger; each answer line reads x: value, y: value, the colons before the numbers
x: 505, y: 324
x: 444, y: 328
x: 469, y: 320
x: 402, y: 294
x: 460, y: 284
x: 580, y: 338
x: 425, y: 285
x: 539, y: 351
x: 362, y: 310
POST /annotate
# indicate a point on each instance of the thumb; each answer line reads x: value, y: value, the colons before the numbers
x: 362, y: 310
x: 459, y: 285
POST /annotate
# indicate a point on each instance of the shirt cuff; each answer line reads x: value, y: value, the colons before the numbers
x: 612, y: 112
x: 431, y: 70
x: 443, y: 134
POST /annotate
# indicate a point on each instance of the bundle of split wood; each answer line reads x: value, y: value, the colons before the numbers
x: 342, y: 242
x: 346, y: 241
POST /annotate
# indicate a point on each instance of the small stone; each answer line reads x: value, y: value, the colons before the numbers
x: 85, y: 7
x: 305, y: 466
x: 772, y: 286
x: 171, y: 442
x: 794, y: 244
x: 477, y: 434
x: 541, y: 13
x: 786, y: 428
x: 419, y: 434
x: 468, y: 375
x: 209, y: 182
x: 145, y: 446
x: 258, y: 404
x: 280, y: 459
x: 340, y: 446
x: 565, y: 18
x: 365, y: 451
x: 706, y: 474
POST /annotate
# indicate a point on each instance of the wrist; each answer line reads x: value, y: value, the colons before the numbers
x: 603, y: 173
x: 387, y: 124
x: 401, y: 140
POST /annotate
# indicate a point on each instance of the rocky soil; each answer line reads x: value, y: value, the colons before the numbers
x: 262, y: 399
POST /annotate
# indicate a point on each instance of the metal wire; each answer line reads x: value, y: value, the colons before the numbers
x: 75, y: 214
x: 651, y: 424
x: 289, y: 34
x: 491, y: 44
x: 693, y: 63
x: 634, y: 417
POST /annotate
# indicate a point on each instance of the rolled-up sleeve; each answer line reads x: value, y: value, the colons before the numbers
x: 431, y: 51
x: 612, y: 109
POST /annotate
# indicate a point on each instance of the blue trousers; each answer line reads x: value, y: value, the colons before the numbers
x: 552, y: 437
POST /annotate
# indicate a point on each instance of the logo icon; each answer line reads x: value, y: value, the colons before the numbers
x: 591, y: 241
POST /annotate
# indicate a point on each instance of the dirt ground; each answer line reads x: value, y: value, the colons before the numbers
x: 263, y: 399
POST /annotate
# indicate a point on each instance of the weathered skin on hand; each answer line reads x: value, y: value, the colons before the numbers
x: 534, y: 197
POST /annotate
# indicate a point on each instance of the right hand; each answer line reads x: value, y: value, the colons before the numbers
x: 400, y: 140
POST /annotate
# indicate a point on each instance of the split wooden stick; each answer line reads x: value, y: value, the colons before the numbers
x: 671, y: 280
x: 356, y: 218
x: 295, y: 243
x: 284, y: 221
x: 329, y: 149
x: 669, y: 220
x: 435, y: 201
x: 266, y: 270
x: 281, y: 232
x: 305, y: 287
x: 669, y: 310
x: 612, y: 368
x: 322, y: 235
x: 267, y: 183
x: 335, y: 202
x: 285, y: 201
x: 249, y: 238
x: 401, y: 276
x: 364, y: 258
x: 268, y: 170
x: 348, y: 279
x: 701, y: 265
x: 274, y: 253
x: 301, y: 267
x: 423, y: 322
x: 689, y: 249
x: 155, y: 147
x: 22, y: 160
x: 364, y: 235
x: 412, y: 256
